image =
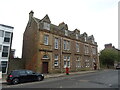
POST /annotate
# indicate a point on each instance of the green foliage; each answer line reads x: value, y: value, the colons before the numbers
x: 118, y: 57
x: 109, y: 56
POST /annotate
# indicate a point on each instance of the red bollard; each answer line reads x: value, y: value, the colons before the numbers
x: 67, y: 71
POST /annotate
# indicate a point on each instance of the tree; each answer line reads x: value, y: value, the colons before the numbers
x: 108, y: 57
x: 118, y: 60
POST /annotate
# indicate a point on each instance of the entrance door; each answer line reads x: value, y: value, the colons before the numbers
x: 45, y: 67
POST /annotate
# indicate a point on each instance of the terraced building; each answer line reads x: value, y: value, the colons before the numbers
x: 50, y: 48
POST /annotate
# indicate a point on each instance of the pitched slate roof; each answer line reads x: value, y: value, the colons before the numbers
x: 60, y: 29
x: 46, y: 19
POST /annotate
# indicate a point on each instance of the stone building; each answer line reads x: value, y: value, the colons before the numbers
x: 49, y: 48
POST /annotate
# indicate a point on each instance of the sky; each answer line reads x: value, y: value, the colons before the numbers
x: 95, y: 17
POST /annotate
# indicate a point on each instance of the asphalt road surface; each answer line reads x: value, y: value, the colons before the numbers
x: 99, y: 79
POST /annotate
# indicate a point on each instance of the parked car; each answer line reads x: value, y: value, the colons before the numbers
x: 18, y: 76
x: 118, y: 66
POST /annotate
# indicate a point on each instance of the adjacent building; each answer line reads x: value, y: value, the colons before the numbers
x: 110, y: 46
x: 50, y: 48
x: 6, y: 33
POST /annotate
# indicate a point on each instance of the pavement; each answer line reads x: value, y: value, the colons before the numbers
x: 3, y: 80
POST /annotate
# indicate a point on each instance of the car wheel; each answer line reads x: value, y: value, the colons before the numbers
x: 15, y: 81
x: 39, y: 78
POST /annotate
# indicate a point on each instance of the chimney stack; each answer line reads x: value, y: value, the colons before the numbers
x: 31, y: 15
x: 108, y: 45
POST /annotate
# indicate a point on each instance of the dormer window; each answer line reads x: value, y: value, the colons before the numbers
x: 46, y: 26
x: 76, y: 36
x: 85, y: 38
x: 66, y: 33
x: 92, y: 41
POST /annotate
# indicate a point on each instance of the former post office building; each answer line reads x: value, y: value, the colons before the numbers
x: 49, y: 48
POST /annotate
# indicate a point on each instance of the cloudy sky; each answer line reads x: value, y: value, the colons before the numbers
x: 95, y: 17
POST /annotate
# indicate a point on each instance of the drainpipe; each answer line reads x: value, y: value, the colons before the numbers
x: 61, y: 54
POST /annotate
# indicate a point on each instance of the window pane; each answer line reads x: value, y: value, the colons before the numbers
x: 65, y: 58
x: 76, y: 36
x: 66, y: 33
x: 56, y: 57
x: 56, y: 43
x: 6, y: 39
x: 55, y: 63
x: 5, y: 51
x: 68, y: 45
x: 46, y: 26
x: 77, y: 47
x: 4, y: 54
x: 94, y: 50
x: 85, y: 39
x: 56, y: 60
x: 68, y: 58
x: 1, y: 33
x: 65, y: 45
x: 7, y: 34
x: 65, y: 64
x: 86, y: 49
x: 3, y: 69
x: 4, y: 63
x: 5, y: 48
x: 46, y: 39
x: 93, y: 41
x: 68, y: 63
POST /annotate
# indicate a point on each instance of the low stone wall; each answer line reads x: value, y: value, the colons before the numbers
x: 15, y: 64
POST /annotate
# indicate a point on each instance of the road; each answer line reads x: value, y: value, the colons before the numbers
x: 99, y: 79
